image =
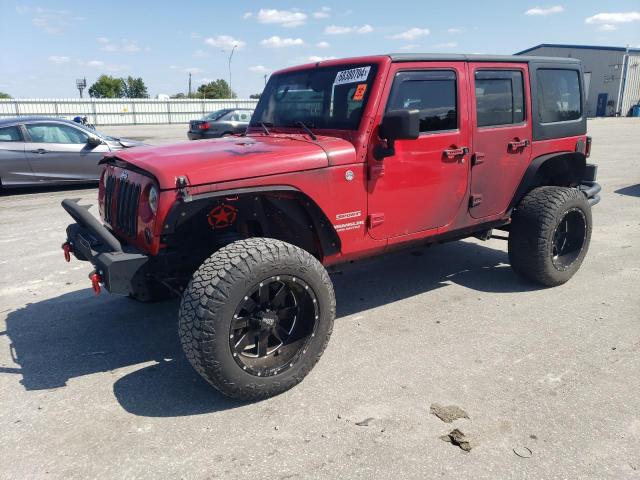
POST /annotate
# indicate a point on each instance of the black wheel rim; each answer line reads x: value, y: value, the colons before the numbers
x: 568, y: 239
x: 273, y: 325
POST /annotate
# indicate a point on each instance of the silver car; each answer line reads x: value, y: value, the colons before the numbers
x: 52, y: 151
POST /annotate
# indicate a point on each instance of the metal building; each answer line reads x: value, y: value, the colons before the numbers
x: 612, y: 75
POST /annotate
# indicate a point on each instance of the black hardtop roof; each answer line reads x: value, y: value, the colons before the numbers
x: 461, y: 57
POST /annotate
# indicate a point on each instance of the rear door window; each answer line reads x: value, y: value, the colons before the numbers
x: 10, y: 134
x: 433, y: 93
x: 558, y: 95
x: 499, y: 97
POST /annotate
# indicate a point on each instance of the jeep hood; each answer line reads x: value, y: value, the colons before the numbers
x: 236, y: 158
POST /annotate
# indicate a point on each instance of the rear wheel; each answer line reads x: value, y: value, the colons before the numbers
x: 550, y: 234
x: 256, y: 317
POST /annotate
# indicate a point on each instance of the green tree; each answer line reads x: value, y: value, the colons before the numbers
x: 4, y: 95
x: 179, y: 95
x: 216, y: 89
x: 107, y: 87
x: 134, y: 88
x: 255, y: 95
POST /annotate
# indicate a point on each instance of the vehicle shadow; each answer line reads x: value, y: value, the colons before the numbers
x: 631, y: 190
x: 77, y: 334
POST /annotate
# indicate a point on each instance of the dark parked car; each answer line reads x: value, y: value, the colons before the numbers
x: 220, y: 123
x: 52, y: 151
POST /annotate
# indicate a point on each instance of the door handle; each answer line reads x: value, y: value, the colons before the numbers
x: 39, y: 151
x: 456, y: 152
x: 516, y: 144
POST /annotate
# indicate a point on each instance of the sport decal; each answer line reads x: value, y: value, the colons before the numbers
x: 222, y: 216
x: 359, y: 93
x: 353, y: 75
x: 342, y: 216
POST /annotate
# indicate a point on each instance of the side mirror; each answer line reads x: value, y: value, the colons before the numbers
x: 94, y: 141
x: 397, y: 125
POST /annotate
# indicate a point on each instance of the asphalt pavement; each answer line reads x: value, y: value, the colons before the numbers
x: 97, y: 387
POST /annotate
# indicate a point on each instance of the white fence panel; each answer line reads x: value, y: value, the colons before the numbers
x: 120, y: 111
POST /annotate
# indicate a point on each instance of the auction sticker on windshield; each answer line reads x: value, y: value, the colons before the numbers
x: 352, y: 75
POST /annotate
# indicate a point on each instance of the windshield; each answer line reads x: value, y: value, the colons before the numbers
x: 324, y: 97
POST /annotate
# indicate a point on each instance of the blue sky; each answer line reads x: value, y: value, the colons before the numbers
x: 45, y: 46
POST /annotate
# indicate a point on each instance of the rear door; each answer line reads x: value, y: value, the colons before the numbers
x: 502, y: 135
x: 14, y: 167
x: 60, y: 153
x: 424, y: 184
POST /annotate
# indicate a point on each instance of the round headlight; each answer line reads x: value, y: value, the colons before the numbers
x: 153, y: 199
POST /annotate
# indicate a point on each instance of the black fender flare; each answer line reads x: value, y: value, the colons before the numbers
x: 327, y: 235
x: 566, y: 168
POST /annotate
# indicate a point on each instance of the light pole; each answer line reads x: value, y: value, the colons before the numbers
x: 81, y: 84
x: 230, y: 57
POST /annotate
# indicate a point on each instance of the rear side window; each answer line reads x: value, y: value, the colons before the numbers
x: 558, y: 95
x: 499, y: 97
x: 10, y: 134
x: 432, y: 92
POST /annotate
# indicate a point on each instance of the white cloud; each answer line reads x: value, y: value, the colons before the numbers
x: 410, y: 34
x: 195, y: 35
x: 259, y: 69
x: 123, y: 45
x: 102, y: 40
x: 105, y: 66
x: 316, y: 58
x: 225, y: 42
x: 454, y: 30
x: 247, y: 15
x: 130, y: 47
x: 200, y: 54
x: 408, y: 47
x: 286, y: 18
x: 539, y: 11
x: 324, y: 12
x: 613, y: 18
x: 606, y: 27
x: 95, y: 63
x: 446, y: 45
x: 339, y: 30
x: 59, y: 59
x: 192, y: 70
x: 54, y: 22
x: 277, y: 42
x: 323, y: 44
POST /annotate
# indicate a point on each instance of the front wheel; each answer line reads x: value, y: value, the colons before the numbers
x: 256, y: 317
x: 550, y: 234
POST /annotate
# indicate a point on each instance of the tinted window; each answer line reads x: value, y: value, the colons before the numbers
x: 499, y: 97
x: 51, y: 133
x: 558, y: 95
x: 433, y: 93
x: 10, y: 134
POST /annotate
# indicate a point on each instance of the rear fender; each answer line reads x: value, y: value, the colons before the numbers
x: 564, y: 169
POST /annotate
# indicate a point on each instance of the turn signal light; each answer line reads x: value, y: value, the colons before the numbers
x: 204, y: 126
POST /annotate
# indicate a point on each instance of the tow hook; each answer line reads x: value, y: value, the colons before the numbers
x: 67, y: 248
x: 96, y: 280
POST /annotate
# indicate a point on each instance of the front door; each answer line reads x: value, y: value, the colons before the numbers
x: 60, y: 153
x: 422, y: 186
x: 502, y: 135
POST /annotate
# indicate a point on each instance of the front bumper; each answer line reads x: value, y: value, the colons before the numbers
x: 90, y: 241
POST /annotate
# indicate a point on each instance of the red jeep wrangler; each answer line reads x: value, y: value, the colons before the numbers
x: 343, y: 159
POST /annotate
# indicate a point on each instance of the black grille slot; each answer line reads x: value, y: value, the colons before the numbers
x: 123, y: 216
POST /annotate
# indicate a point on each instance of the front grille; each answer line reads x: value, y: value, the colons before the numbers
x: 122, y: 214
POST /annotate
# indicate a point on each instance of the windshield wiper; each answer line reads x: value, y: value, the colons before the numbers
x: 306, y: 129
x: 264, y: 127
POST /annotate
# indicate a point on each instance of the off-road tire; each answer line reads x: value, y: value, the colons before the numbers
x: 533, y: 229
x: 217, y: 288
